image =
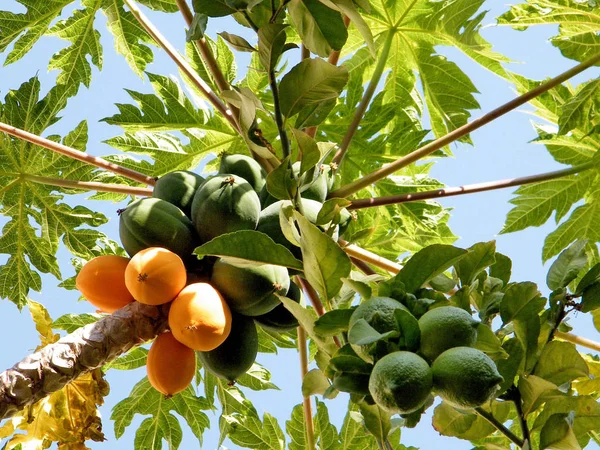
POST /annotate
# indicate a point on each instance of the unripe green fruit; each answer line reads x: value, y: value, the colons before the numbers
x: 245, y: 167
x: 280, y: 319
x: 178, y: 188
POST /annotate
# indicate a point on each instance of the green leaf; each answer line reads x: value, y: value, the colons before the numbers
x: 376, y: 420
x: 409, y: 329
x: 361, y: 333
x: 427, y: 264
x: 133, y: 359
x: 502, y: 268
x: 249, y: 431
x: 281, y: 182
x: 489, y: 343
x: 535, y: 391
x: 325, y: 433
x: 247, y: 246
x: 480, y: 256
x: 212, y: 8
x: 314, y: 382
x: 333, y: 322
x: 567, y: 266
x: 161, y: 424
x: 321, y: 29
x: 71, y: 322
x: 296, y: 429
x: 256, y: 378
x: 331, y: 210
x: 577, y: 111
x: 237, y: 42
x: 589, y: 288
x: 560, y: 362
x: 271, y: 43
x: 509, y: 367
x: 517, y: 297
x: 465, y: 424
x: 311, y: 154
x: 312, y: 82
x: 557, y: 433
x: 325, y: 263
x: 353, y: 433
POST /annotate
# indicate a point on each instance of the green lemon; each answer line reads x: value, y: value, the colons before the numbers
x: 446, y: 327
x: 401, y: 382
x: 465, y: 377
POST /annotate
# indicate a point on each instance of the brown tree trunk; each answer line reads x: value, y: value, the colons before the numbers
x: 86, y: 349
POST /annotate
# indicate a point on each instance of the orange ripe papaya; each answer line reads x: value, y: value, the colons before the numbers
x: 171, y: 366
x: 199, y: 317
x: 102, y: 282
x: 155, y: 276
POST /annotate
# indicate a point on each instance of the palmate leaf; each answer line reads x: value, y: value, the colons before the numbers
x: 38, y: 219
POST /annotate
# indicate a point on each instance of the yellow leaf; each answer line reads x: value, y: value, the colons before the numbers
x: 43, y: 323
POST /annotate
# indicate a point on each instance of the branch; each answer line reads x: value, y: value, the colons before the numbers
x: 578, y: 340
x: 308, y: 417
x: 315, y: 301
x: 518, y: 401
x: 76, y: 154
x: 383, y: 172
x: 362, y: 266
x: 499, y: 426
x: 182, y: 63
x: 367, y: 97
x: 468, y: 189
x: 90, y: 185
x: 369, y: 257
x: 51, y: 368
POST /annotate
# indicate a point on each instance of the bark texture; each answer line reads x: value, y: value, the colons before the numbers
x: 51, y: 368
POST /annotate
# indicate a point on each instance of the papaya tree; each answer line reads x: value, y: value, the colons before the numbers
x: 269, y: 195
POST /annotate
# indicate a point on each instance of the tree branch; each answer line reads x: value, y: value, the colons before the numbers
x: 468, y: 189
x: 367, y: 97
x: 308, y: 417
x: 369, y: 257
x: 518, y: 401
x: 499, y: 426
x: 182, y: 63
x: 578, y: 340
x: 90, y: 185
x: 383, y: 172
x: 76, y: 154
x: 51, y: 368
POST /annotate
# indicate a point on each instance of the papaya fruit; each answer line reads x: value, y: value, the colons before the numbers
x: 178, y: 188
x: 155, y: 276
x: 319, y: 185
x: 171, y: 366
x: 153, y: 222
x: 224, y: 204
x: 245, y: 167
x: 280, y: 319
x: 235, y: 356
x: 269, y: 224
x: 199, y: 317
x: 102, y: 282
x: 250, y: 290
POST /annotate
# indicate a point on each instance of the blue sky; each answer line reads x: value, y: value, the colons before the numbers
x: 500, y: 150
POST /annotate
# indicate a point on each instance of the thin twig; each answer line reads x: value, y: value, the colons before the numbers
x: 468, y: 189
x: 578, y: 340
x: 182, y: 63
x: 90, y: 185
x: 362, y: 266
x: 426, y: 150
x: 518, y: 401
x: 308, y: 417
x: 369, y: 257
x: 499, y: 426
x: 76, y: 154
x: 367, y: 97
x: 250, y: 21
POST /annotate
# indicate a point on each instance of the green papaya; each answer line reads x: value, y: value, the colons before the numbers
x: 280, y: 319
x: 178, y: 188
x: 152, y: 222
x: 237, y: 353
x: 245, y: 167
x: 250, y: 290
x: 318, y: 189
x: 269, y: 224
x: 224, y: 204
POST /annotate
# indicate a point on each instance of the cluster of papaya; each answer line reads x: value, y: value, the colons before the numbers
x: 216, y: 304
x: 400, y: 361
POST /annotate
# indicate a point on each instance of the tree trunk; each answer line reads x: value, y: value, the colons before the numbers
x: 86, y: 349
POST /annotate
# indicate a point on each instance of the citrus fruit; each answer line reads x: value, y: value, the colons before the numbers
x: 400, y: 382
x: 465, y: 377
x: 446, y: 327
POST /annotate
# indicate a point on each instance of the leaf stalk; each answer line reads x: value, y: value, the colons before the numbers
x: 307, y: 407
x: 369, y: 257
x: 499, y: 426
x: 426, y: 150
x: 90, y: 185
x: 578, y: 340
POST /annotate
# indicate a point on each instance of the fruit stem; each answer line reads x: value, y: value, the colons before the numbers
x: 184, y: 66
x: 468, y: 189
x: 499, y: 426
x: 90, y: 185
x: 427, y: 149
x: 308, y: 420
x: 369, y: 257
x: 367, y: 97
x: 578, y: 340
x: 76, y: 154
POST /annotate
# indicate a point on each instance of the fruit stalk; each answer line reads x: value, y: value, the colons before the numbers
x: 90, y: 347
x: 91, y: 186
x: 367, y: 97
x: 76, y: 154
x: 182, y: 63
x: 468, y: 189
x: 426, y: 150
x: 310, y: 429
x: 499, y: 426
